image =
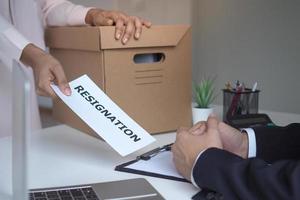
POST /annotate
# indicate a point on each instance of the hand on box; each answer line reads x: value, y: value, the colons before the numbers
x: 46, y: 70
x: 126, y: 26
x: 188, y: 145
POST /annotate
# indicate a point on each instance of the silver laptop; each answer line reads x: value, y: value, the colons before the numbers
x: 117, y: 190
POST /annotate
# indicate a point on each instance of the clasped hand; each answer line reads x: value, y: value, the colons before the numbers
x: 190, y: 142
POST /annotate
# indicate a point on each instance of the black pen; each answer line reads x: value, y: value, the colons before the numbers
x: 148, y: 155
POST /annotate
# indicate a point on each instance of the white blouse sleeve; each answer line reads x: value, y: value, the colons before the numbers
x: 12, y: 42
x: 62, y: 13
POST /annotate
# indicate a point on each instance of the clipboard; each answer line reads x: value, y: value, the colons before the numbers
x: 156, y: 163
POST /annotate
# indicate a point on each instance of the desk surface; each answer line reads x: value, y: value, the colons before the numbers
x: 62, y: 156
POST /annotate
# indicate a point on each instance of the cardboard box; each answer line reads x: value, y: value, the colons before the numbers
x: 157, y: 94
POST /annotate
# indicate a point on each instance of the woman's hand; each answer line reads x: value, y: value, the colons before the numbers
x: 126, y: 26
x: 46, y: 70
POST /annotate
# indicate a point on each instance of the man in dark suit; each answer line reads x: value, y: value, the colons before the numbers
x: 259, y: 163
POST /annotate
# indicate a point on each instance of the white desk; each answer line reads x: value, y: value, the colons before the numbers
x: 61, y: 156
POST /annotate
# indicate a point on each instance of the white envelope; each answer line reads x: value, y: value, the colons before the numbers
x: 105, y: 117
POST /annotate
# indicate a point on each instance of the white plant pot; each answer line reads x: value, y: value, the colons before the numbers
x: 201, y: 114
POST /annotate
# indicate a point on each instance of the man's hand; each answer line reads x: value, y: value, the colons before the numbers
x: 46, y: 70
x: 187, y: 145
x: 199, y: 128
x: 233, y: 140
x: 126, y: 25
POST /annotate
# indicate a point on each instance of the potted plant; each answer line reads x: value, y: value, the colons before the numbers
x: 204, y: 96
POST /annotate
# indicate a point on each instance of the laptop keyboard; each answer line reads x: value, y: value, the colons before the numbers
x: 76, y: 193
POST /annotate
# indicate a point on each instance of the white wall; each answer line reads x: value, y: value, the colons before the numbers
x: 159, y: 11
x: 251, y: 41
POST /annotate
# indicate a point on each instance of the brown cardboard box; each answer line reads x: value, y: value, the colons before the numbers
x: 157, y: 95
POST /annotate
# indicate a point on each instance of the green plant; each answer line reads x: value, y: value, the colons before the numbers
x: 205, y: 93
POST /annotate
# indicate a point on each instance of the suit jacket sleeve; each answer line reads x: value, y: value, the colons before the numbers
x: 237, y: 178
x: 278, y: 143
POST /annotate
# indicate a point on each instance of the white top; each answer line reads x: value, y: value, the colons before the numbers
x: 21, y: 22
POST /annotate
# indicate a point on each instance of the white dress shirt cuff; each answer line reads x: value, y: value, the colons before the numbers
x: 251, y: 142
x: 192, y: 177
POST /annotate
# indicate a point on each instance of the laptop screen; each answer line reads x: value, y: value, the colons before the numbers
x: 21, y: 130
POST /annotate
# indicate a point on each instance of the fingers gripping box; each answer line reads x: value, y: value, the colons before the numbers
x: 149, y: 78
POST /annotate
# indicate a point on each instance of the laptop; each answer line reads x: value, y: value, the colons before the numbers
x: 138, y: 188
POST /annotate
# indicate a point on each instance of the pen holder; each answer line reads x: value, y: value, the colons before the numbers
x: 239, y: 102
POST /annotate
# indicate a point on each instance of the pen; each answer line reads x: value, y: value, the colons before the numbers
x: 148, y: 155
x: 235, y: 100
x: 237, y: 84
x: 251, y: 96
x: 228, y: 86
x: 241, y: 104
x: 254, y: 87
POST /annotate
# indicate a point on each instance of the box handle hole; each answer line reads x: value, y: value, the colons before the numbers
x: 148, y: 58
